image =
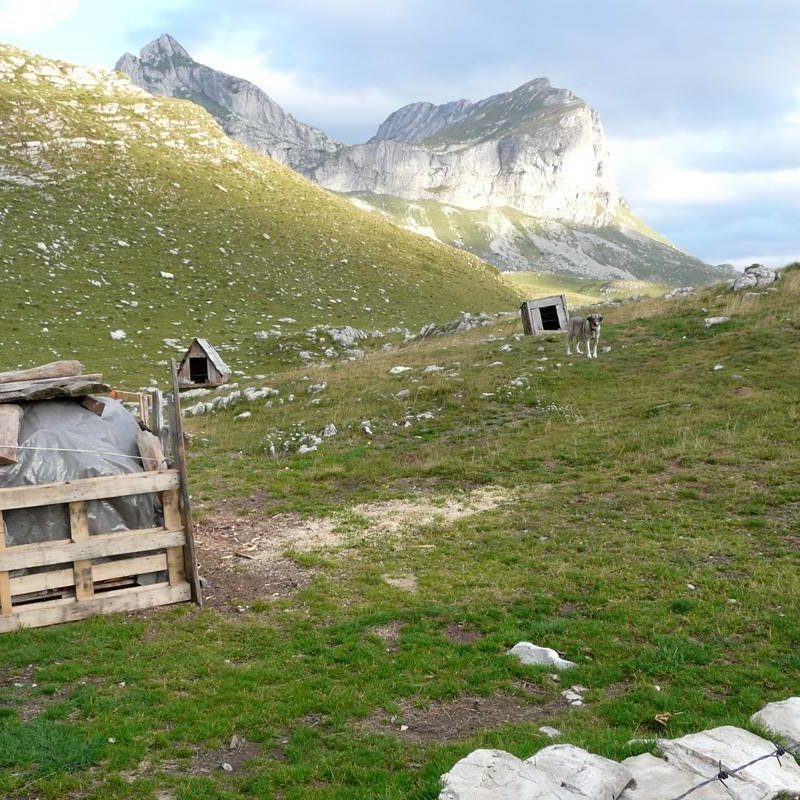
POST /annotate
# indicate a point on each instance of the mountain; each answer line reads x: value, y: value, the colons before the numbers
x: 124, y: 211
x: 523, y: 178
x: 245, y: 112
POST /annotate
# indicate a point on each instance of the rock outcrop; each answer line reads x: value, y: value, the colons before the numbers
x: 245, y: 113
x: 536, y: 149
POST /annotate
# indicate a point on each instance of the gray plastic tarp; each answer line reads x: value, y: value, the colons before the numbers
x: 60, y: 441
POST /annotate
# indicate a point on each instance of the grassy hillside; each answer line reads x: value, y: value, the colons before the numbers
x: 511, y: 240
x: 638, y: 513
x: 106, y: 188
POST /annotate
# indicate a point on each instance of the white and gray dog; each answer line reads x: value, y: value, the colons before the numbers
x: 584, y: 329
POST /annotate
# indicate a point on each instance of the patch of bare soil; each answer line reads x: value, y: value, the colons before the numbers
x: 242, y: 555
x: 242, y: 558
x: 390, y: 633
x: 457, y: 719
x: 391, y: 516
x: 462, y: 634
x: 24, y: 695
x: 231, y: 759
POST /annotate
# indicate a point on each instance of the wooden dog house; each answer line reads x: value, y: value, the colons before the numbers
x: 544, y: 315
x: 202, y: 366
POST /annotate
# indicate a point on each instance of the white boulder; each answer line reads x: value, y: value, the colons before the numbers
x: 399, y: 370
x: 754, y: 277
x: 118, y: 335
x: 497, y: 775
x: 655, y: 779
x: 781, y: 717
x: 584, y: 773
x: 528, y: 653
x: 709, y: 321
x: 702, y: 753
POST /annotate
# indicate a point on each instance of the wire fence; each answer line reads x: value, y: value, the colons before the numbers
x: 723, y: 774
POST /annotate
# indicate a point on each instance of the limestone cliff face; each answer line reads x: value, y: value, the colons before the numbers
x: 537, y: 149
x: 245, y: 112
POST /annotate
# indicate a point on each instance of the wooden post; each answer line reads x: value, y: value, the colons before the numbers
x: 79, y: 531
x: 10, y: 421
x: 173, y: 521
x: 190, y: 557
x: 5, y: 583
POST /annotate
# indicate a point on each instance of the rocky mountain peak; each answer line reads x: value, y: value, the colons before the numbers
x: 165, y: 46
x: 244, y: 111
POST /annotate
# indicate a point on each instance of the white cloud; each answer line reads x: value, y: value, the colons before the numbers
x: 304, y: 96
x: 662, y: 171
x: 27, y: 17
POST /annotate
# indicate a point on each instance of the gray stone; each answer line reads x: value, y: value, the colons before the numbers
x: 781, y: 717
x: 584, y: 773
x: 529, y: 653
x: 709, y: 321
x: 679, y: 291
x: 655, y: 779
x: 497, y: 775
x: 755, y: 276
x: 547, y: 730
x: 701, y: 753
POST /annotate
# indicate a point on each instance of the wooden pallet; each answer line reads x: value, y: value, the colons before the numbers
x: 99, y: 573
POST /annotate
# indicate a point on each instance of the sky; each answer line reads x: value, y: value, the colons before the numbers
x: 700, y: 100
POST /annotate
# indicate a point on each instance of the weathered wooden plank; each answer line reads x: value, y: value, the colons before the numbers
x: 105, y: 571
x: 10, y: 421
x: 55, y: 369
x: 79, y: 531
x: 67, y: 610
x: 5, y: 583
x: 45, y: 494
x: 91, y: 403
x: 179, y: 453
x: 63, y: 551
x: 151, y: 452
x: 52, y: 388
x: 170, y: 502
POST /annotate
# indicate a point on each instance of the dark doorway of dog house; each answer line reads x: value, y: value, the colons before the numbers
x: 550, y: 320
x: 198, y: 370
x: 544, y: 314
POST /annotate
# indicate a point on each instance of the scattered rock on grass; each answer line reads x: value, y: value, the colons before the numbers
x: 709, y: 321
x: 782, y: 718
x: 755, y: 276
x: 529, y: 653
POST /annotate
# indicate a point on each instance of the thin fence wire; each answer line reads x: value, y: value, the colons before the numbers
x: 723, y: 774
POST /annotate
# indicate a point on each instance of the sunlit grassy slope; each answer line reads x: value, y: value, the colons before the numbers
x: 123, y: 211
x: 647, y: 529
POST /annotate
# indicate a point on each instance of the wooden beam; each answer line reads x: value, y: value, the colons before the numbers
x: 52, y: 388
x: 91, y: 403
x: 67, y: 610
x: 104, y: 571
x: 45, y: 494
x: 10, y: 421
x: 179, y: 452
x: 55, y: 369
x: 170, y: 502
x: 43, y: 554
x: 79, y: 530
x: 5, y: 583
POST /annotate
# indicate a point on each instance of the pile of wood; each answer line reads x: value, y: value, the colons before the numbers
x: 52, y: 381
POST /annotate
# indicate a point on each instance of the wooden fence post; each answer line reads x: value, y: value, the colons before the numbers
x: 190, y: 556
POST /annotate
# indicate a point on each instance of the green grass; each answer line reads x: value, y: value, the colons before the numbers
x: 628, y: 480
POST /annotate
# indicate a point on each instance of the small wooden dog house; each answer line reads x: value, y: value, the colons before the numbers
x: 202, y: 366
x: 544, y: 314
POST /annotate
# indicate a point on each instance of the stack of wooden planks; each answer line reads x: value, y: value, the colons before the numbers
x: 47, y: 382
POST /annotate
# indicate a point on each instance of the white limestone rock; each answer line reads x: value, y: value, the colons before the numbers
x: 781, y: 717
x: 528, y: 653
x: 709, y: 321
x: 582, y: 772
x: 701, y: 753
x: 755, y: 276
x: 399, y: 370
x: 497, y: 775
x: 679, y: 291
x: 656, y: 779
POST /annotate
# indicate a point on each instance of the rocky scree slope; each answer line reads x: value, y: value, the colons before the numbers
x: 121, y: 211
x: 523, y: 178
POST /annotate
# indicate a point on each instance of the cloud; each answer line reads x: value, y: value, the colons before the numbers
x: 307, y: 97
x: 30, y: 17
